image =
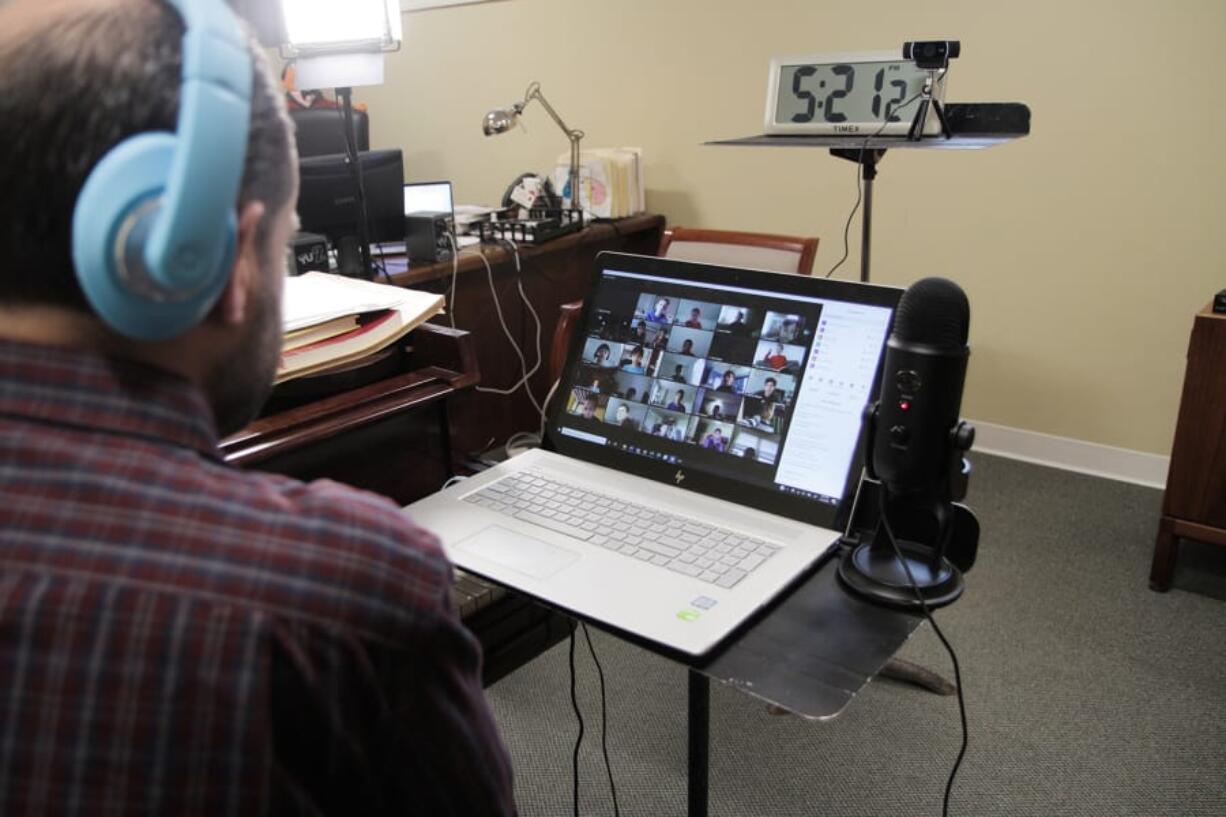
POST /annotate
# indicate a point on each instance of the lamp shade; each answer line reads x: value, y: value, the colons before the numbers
x: 499, y: 120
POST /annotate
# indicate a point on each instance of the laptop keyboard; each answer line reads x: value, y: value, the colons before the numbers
x: 682, y: 544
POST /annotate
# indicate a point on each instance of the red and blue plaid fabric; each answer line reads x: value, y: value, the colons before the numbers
x: 180, y: 637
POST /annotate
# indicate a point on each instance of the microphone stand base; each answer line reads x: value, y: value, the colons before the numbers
x: 875, y: 573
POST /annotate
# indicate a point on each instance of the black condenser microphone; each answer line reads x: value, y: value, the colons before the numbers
x: 921, y: 387
x: 914, y: 450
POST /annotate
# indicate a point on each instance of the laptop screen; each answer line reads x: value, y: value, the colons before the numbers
x: 741, y: 378
x: 427, y: 197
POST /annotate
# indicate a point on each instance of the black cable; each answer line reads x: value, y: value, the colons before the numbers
x: 604, y: 722
x: 847, y: 227
x: 860, y: 186
x: 574, y: 702
x: 885, y: 520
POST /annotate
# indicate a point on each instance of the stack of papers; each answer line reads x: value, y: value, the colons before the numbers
x: 610, y: 181
x: 329, y: 320
x: 466, y: 215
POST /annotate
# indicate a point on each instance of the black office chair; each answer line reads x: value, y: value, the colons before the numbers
x: 321, y: 130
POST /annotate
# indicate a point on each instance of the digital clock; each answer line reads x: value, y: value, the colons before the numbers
x: 853, y: 94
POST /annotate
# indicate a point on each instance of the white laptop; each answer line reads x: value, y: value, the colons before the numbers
x: 700, y: 456
x: 431, y: 197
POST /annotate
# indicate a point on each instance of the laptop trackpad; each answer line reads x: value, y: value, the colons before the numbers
x: 517, y: 552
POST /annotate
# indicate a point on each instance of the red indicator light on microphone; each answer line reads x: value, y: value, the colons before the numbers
x: 904, y: 405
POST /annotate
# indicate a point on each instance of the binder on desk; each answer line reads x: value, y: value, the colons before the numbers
x: 329, y: 320
x: 611, y: 181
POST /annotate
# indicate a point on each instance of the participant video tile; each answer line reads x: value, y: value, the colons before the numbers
x: 779, y: 357
x: 751, y: 446
x: 721, y: 377
x: 711, y: 435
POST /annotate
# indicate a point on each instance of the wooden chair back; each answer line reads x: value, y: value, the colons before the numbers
x: 778, y: 253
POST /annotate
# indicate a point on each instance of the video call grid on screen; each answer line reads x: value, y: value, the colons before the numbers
x: 702, y: 375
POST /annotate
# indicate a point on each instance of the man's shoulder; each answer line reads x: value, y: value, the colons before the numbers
x: 334, y: 553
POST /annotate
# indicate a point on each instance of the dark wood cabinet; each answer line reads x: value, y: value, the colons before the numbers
x: 1194, y: 506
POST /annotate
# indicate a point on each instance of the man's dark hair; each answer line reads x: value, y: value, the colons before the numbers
x: 72, y: 90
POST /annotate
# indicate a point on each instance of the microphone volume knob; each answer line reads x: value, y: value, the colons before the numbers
x: 908, y: 381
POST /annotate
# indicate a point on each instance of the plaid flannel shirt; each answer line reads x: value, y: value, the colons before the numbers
x: 180, y: 637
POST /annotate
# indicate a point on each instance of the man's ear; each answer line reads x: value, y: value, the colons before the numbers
x: 231, y: 307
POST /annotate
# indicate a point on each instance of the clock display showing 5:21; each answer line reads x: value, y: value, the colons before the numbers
x: 841, y: 96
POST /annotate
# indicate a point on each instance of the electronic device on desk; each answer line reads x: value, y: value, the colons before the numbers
x: 541, y: 225
x: 427, y: 236
x: 307, y: 252
x: 429, y: 197
x: 328, y: 202
x: 757, y: 477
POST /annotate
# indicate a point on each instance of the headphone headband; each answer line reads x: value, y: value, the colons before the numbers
x: 214, y: 118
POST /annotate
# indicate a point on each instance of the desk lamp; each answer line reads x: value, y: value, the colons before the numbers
x: 501, y: 120
x: 339, y: 45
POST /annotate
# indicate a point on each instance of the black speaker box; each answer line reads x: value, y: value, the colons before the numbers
x: 426, y: 236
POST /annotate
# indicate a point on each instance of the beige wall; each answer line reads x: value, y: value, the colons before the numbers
x: 1085, y: 248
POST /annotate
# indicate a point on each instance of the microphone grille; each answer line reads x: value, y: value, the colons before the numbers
x: 933, y: 311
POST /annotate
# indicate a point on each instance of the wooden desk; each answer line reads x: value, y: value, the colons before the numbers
x: 383, y: 426
x: 1194, y: 506
x: 343, y: 426
x: 553, y: 274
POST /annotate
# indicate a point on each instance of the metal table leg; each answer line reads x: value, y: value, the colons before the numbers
x: 699, y: 738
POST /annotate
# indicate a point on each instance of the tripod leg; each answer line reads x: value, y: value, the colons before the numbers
x: 940, y: 112
x: 916, y: 132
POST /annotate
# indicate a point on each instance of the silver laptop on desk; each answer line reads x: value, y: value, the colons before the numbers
x: 433, y: 197
x: 421, y: 197
x: 700, y: 455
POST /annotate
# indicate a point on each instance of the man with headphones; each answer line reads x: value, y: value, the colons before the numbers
x: 176, y: 636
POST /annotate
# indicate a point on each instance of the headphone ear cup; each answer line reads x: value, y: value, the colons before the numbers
x: 113, y: 212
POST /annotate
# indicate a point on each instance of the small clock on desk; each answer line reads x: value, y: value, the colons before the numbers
x: 851, y: 94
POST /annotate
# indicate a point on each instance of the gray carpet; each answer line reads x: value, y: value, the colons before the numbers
x: 1087, y: 693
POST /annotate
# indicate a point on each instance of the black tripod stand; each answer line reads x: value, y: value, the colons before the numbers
x: 928, y: 102
x: 353, y: 254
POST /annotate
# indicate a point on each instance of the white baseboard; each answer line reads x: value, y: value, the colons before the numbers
x: 1072, y: 455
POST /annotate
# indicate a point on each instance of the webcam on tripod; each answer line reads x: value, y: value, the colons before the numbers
x: 931, y: 55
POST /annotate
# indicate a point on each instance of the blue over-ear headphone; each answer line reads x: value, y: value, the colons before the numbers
x: 154, y: 229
